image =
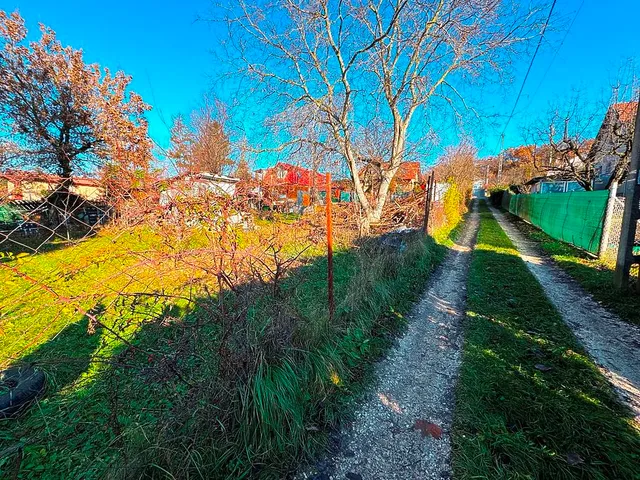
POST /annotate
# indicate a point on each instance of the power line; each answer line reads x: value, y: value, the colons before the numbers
x: 535, y: 53
x: 546, y: 72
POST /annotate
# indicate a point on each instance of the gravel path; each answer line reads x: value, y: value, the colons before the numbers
x: 611, y: 342
x: 415, y: 383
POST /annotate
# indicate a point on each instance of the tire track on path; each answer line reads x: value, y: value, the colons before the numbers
x: 612, y: 343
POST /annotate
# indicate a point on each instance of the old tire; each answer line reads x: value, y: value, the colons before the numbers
x: 19, y: 386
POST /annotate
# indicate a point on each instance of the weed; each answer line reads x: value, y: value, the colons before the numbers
x: 240, y: 384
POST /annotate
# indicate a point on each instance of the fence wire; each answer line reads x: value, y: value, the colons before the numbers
x: 113, y: 294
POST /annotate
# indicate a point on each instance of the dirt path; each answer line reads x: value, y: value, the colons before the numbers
x: 415, y: 383
x: 611, y: 342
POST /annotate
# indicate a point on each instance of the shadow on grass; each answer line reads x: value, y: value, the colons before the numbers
x: 242, y: 385
x: 591, y: 274
x: 530, y: 402
x: 44, y: 241
x: 66, y: 356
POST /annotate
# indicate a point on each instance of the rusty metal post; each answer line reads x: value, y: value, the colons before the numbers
x: 329, y: 249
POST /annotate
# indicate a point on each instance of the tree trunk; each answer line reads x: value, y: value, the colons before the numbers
x: 60, y: 206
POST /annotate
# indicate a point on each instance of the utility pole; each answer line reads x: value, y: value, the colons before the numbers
x: 626, y: 258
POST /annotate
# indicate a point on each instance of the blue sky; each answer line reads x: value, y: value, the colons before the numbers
x: 168, y: 52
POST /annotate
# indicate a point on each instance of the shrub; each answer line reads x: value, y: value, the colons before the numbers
x: 454, y: 204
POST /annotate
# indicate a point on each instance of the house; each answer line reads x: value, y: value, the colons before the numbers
x: 618, y: 123
x: 552, y: 184
x: 197, y: 185
x: 287, y: 183
x: 408, y: 177
x: 29, y: 201
x: 33, y: 186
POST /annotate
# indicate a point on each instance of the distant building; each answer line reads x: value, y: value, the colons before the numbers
x: 197, y: 185
x: 287, y: 183
x: 605, y: 162
x: 408, y: 177
x: 553, y: 184
x: 32, y: 186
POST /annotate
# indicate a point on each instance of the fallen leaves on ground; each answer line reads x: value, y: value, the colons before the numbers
x: 428, y: 428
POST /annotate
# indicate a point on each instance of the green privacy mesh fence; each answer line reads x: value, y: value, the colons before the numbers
x: 573, y: 217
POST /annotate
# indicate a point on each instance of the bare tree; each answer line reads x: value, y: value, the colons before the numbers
x: 568, y: 154
x: 203, y: 145
x: 570, y: 151
x: 356, y: 60
x: 458, y: 166
x: 65, y: 116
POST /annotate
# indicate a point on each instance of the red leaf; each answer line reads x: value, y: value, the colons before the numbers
x: 428, y: 428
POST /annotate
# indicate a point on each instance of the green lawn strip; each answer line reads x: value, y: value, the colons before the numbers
x: 593, y: 275
x: 530, y: 403
x: 250, y: 404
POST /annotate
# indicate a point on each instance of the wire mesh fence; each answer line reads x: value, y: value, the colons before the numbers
x: 185, y: 287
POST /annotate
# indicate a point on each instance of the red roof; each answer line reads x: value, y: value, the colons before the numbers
x: 409, y: 171
x: 626, y: 111
x: 287, y: 174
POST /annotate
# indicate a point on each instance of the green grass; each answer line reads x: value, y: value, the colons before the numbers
x: 235, y: 386
x: 593, y: 275
x: 45, y: 292
x: 512, y: 419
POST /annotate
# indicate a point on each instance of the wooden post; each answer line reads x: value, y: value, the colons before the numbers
x: 429, y: 197
x: 433, y: 189
x: 631, y: 214
x: 329, y: 249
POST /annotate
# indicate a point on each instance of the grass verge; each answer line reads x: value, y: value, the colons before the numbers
x: 242, y: 386
x: 530, y: 402
x: 593, y: 275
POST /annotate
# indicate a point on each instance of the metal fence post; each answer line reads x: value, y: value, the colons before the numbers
x: 329, y: 249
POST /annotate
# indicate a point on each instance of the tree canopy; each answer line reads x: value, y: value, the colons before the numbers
x: 203, y: 144
x: 66, y: 116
